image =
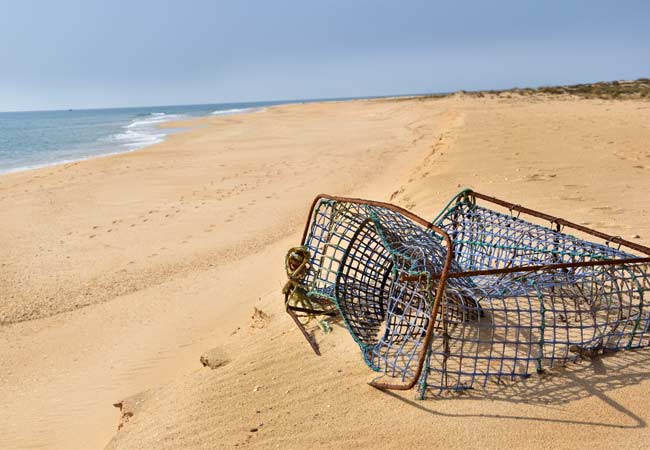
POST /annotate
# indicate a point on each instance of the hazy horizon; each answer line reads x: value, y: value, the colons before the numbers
x: 93, y: 55
x: 283, y: 101
x: 289, y: 100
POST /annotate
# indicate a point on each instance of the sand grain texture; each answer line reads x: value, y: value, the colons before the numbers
x: 120, y: 272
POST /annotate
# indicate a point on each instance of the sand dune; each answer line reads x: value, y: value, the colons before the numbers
x: 118, y: 273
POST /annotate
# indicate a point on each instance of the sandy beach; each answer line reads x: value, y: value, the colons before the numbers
x: 118, y: 273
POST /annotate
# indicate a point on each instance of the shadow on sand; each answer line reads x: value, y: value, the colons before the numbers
x: 588, y: 378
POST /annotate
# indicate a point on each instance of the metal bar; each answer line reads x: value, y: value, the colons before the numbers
x: 429, y: 333
x: 563, y: 222
x: 415, y: 218
x: 472, y: 273
x: 441, y: 285
x: 316, y: 312
x: 312, y: 343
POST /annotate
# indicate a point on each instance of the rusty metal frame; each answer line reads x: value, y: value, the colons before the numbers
x: 439, y: 291
x: 561, y: 222
x: 445, y: 274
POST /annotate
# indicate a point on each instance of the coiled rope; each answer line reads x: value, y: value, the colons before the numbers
x: 296, y: 293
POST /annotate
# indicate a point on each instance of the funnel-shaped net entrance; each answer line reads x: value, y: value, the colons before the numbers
x: 359, y: 255
x: 479, y: 297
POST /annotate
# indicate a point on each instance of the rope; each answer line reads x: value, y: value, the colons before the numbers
x: 464, y: 196
x: 295, y: 264
x: 296, y: 293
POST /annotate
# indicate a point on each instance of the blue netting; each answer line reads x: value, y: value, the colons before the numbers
x: 381, y: 271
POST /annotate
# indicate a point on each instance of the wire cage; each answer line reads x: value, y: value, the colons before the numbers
x: 474, y: 296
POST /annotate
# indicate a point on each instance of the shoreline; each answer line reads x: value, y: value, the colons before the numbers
x: 215, y: 113
x: 160, y: 126
x: 622, y: 90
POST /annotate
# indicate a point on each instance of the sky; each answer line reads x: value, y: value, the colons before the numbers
x: 62, y: 54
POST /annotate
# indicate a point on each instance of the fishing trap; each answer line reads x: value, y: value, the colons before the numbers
x: 472, y: 296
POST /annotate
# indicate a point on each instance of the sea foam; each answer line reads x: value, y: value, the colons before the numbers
x: 43, y: 138
x: 142, y: 132
x: 234, y: 111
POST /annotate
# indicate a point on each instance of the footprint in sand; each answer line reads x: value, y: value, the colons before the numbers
x: 214, y: 359
x: 397, y: 193
x: 259, y: 319
x: 572, y: 199
x: 539, y: 177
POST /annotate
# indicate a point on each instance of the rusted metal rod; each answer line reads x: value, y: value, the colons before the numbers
x: 445, y: 274
x: 472, y: 273
x: 562, y: 222
x: 415, y: 218
x: 431, y: 325
x: 439, y: 291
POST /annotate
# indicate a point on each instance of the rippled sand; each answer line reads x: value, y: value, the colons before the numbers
x: 118, y: 273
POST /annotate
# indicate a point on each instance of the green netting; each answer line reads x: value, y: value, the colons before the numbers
x: 381, y: 270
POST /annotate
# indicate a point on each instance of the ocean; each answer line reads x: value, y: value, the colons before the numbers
x: 41, y: 138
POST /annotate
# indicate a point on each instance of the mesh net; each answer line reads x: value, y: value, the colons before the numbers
x: 382, y: 271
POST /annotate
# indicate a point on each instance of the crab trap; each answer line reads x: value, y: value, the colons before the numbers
x: 474, y: 296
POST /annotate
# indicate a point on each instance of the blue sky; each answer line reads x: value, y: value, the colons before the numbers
x: 79, y: 54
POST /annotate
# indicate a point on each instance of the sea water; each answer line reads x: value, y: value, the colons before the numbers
x: 40, y: 138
